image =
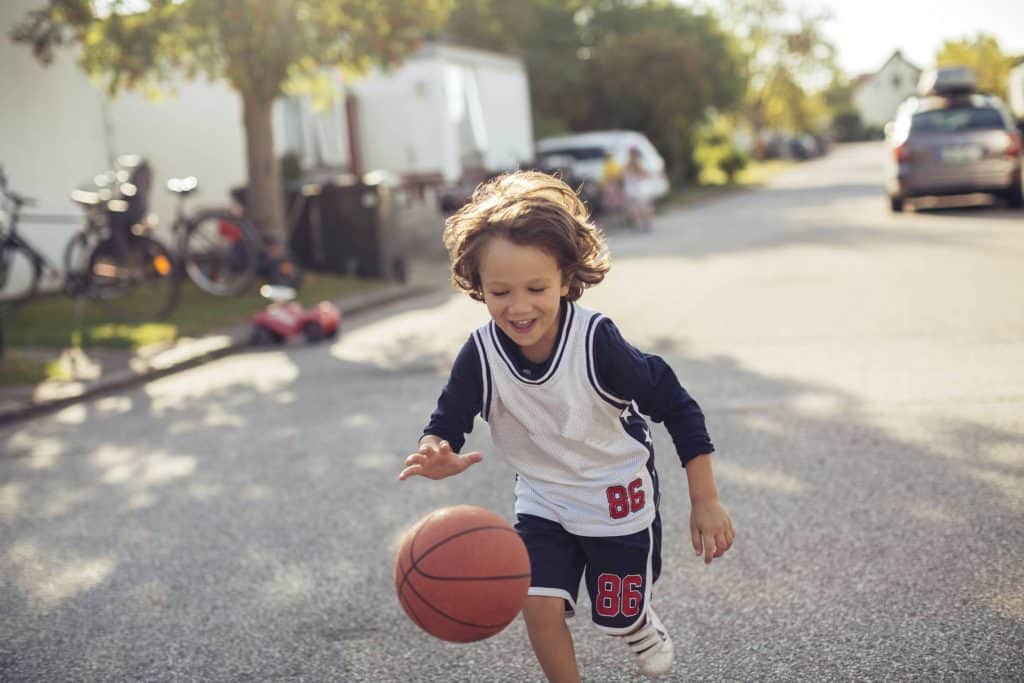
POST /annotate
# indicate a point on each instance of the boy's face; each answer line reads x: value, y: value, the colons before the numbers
x: 522, y: 288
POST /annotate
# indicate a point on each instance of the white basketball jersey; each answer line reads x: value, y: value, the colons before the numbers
x: 565, y: 436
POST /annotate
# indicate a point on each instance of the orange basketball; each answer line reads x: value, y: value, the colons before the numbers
x: 462, y: 573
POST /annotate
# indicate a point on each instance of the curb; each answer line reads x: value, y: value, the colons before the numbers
x: 204, y: 350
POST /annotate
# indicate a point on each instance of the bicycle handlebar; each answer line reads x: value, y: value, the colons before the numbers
x: 19, y: 200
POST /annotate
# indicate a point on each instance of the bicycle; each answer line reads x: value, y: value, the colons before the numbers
x: 20, y: 263
x: 110, y: 261
x: 222, y: 251
x: 218, y: 248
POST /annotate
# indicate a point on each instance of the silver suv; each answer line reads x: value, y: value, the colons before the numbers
x: 956, y: 143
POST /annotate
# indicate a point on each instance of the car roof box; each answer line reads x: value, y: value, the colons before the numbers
x: 951, y: 80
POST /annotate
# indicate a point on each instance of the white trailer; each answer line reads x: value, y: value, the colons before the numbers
x: 445, y: 112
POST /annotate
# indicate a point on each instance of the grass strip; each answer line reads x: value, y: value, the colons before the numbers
x: 56, y: 321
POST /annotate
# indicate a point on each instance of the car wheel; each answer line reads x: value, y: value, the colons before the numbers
x: 314, y: 331
x: 262, y: 336
x: 896, y: 204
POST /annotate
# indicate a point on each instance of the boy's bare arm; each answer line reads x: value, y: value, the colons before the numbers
x: 435, y: 459
x: 710, y: 526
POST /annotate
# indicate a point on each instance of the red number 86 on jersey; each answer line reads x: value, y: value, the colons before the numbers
x: 623, y: 500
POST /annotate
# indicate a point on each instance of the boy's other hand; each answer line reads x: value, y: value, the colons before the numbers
x: 710, y: 529
x: 437, y: 461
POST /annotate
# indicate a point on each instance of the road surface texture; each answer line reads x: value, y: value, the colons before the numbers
x: 863, y: 379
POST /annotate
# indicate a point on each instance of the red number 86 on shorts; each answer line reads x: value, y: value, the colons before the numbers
x: 623, y: 500
x: 619, y: 595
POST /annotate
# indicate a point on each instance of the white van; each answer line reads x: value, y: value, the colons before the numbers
x: 587, y: 151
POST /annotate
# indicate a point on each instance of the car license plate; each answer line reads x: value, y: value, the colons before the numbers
x: 960, y: 154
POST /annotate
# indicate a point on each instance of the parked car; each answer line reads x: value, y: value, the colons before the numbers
x: 582, y: 156
x: 950, y: 80
x: 952, y: 141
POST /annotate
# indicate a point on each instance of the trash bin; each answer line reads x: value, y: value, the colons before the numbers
x: 346, y: 225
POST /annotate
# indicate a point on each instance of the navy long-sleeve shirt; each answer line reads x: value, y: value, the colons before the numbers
x: 624, y: 370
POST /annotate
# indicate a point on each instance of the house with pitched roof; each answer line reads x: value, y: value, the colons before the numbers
x: 877, y: 96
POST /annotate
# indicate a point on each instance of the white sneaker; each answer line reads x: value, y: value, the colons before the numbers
x: 652, y: 646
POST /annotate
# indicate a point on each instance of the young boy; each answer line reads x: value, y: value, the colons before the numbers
x: 562, y: 392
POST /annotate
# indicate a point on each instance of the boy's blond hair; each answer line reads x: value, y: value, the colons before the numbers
x: 527, y: 208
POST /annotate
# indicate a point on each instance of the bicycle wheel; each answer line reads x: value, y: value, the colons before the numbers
x: 134, y: 276
x: 220, y: 251
x: 20, y: 271
x: 76, y: 262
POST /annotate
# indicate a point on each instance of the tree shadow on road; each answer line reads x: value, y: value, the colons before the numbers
x: 246, y: 527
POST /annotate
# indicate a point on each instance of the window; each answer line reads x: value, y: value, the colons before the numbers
x: 958, y: 119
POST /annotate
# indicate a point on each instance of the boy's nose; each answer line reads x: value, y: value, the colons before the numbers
x: 519, y: 304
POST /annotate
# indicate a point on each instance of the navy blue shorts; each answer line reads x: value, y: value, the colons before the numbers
x: 620, y: 570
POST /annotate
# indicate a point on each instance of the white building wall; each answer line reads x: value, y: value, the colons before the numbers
x: 197, y: 129
x: 878, y: 99
x: 51, y: 133
x: 59, y: 130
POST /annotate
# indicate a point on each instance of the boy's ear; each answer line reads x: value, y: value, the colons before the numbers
x: 566, y: 279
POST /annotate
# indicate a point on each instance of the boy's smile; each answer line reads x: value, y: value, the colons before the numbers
x: 523, y: 288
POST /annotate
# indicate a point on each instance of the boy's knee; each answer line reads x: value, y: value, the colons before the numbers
x: 540, y: 609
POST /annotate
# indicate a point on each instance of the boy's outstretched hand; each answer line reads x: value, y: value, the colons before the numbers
x: 437, y: 460
x: 710, y: 529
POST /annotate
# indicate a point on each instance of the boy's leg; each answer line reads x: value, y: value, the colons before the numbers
x: 620, y: 573
x: 556, y: 567
x: 550, y: 638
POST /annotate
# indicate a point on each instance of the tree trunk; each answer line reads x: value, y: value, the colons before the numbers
x: 265, y: 198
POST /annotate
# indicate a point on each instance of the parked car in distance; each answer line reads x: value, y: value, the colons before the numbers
x: 585, y: 153
x: 951, y: 142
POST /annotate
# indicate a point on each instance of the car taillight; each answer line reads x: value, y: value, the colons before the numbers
x: 1013, y: 148
x: 901, y: 153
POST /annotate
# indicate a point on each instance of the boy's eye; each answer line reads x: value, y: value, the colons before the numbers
x: 538, y: 290
x: 498, y: 293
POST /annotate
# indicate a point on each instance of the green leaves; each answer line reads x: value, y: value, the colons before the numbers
x: 652, y: 66
x: 255, y: 44
x: 984, y: 56
x: 788, y: 60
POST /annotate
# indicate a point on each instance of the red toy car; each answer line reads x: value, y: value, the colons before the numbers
x: 283, y: 319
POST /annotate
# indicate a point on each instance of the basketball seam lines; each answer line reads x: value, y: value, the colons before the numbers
x: 450, y: 617
x: 407, y: 603
x: 413, y: 562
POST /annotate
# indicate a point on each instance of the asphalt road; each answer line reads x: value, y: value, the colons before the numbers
x: 863, y: 379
